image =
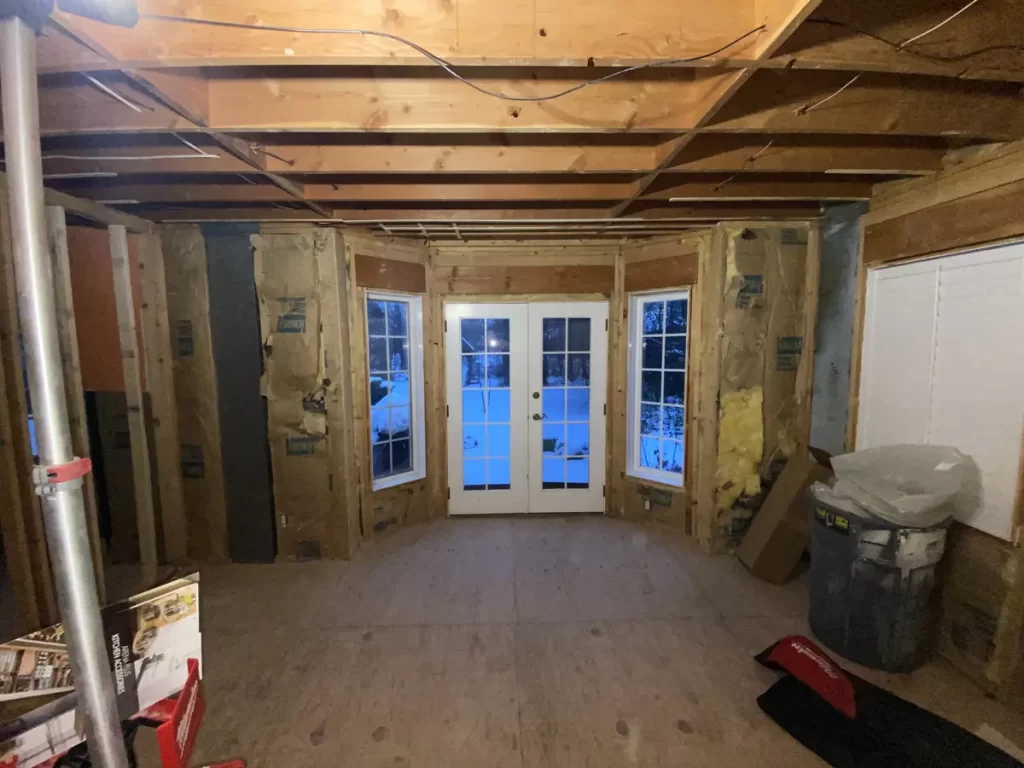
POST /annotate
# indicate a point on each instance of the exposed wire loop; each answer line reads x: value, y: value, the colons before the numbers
x: 446, y: 65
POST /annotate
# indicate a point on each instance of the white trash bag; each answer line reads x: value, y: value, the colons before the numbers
x: 907, y: 485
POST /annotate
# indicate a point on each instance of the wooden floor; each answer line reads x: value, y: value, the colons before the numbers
x: 517, y: 643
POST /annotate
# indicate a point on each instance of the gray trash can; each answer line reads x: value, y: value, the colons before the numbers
x: 870, y: 583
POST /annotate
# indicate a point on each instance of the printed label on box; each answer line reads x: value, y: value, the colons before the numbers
x: 787, y: 352
x: 193, y: 466
x: 751, y: 291
x: 301, y: 446
x: 186, y: 339
x: 293, y: 318
x: 794, y: 237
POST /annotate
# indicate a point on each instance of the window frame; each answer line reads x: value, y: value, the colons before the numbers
x: 634, y: 370
x: 416, y: 399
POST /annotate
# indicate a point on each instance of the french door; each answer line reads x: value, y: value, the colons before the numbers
x: 526, y: 406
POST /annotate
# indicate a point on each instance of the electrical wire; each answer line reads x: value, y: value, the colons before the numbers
x: 902, y: 47
x: 112, y: 93
x: 809, y: 108
x: 915, y: 38
x: 199, y: 155
x: 446, y: 65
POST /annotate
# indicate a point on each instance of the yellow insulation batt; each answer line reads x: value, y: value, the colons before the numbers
x: 740, y: 445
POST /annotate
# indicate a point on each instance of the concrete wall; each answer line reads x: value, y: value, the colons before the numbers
x: 833, y: 338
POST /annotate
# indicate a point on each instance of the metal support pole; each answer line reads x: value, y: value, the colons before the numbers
x: 63, y: 508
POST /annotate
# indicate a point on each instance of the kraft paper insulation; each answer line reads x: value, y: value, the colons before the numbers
x: 289, y: 292
x: 195, y: 390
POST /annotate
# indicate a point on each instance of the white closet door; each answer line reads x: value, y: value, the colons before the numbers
x: 977, y: 398
x: 943, y: 364
x: 899, y: 338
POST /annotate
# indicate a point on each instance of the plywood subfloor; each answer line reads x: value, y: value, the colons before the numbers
x: 518, y: 643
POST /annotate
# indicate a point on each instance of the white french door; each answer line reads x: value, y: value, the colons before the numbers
x: 526, y: 406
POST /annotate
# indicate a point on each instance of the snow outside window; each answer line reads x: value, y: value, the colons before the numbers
x: 656, y: 434
x: 394, y: 324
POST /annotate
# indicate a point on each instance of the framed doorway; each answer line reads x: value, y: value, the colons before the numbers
x: 527, y: 387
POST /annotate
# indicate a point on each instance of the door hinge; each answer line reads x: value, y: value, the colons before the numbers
x: 606, y: 324
x: 449, y: 494
x: 446, y: 326
x: 447, y: 412
x: 602, y: 492
x: 605, y: 413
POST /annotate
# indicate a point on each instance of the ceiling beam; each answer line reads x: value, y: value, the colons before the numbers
x: 466, y: 31
x: 488, y: 191
x: 802, y: 153
x: 759, y: 187
x: 676, y: 213
x: 369, y: 157
x: 781, y: 18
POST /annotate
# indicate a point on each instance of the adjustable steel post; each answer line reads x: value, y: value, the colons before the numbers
x: 58, y: 480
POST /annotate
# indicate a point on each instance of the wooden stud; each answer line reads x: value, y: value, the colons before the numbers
x: 360, y: 391
x: 712, y: 292
x: 341, y: 521
x: 805, y: 369
x: 57, y: 237
x: 856, y: 353
x: 159, y: 369
x: 618, y: 316
x: 130, y: 357
x: 21, y: 519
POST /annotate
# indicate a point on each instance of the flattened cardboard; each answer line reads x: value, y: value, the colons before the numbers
x: 780, y: 531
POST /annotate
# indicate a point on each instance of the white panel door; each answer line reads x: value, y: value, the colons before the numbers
x: 486, y: 374
x: 527, y: 385
x: 568, y: 388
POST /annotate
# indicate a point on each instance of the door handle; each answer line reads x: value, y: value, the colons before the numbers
x: 539, y: 416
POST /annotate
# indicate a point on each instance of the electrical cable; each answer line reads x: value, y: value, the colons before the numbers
x: 902, y: 47
x: 915, y: 38
x: 199, y: 155
x: 446, y: 65
x: 808, y: 108
x: 112, y: 93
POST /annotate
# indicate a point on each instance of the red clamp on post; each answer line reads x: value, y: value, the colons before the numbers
x: 47, y: 479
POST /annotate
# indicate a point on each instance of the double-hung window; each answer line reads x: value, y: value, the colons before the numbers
x: 394, y: 324
x: 656, y: 414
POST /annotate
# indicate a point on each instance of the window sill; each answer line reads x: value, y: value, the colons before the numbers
x: 675, y: 482
x: 395, y: 480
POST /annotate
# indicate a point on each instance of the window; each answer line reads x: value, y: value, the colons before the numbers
x: 657, y: 386
x: 486, y: 404
x: 394, y: 325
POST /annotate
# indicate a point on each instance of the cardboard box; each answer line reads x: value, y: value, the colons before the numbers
x: 780, y: 531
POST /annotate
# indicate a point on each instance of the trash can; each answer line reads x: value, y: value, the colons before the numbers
x: 870, y: 582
